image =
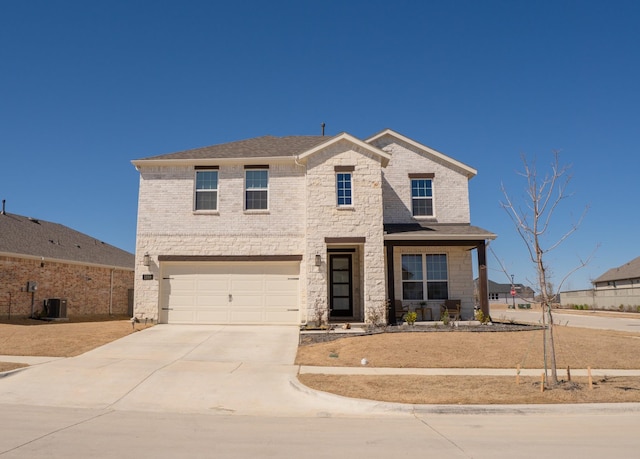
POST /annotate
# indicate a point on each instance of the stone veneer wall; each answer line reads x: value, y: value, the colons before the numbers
x: 88, y: 289
x: 450, y: 186
x: 364, y: 219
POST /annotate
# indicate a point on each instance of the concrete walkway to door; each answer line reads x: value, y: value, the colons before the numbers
x: 175, y: 368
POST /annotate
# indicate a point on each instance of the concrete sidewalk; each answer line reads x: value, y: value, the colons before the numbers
x: 373, y: 371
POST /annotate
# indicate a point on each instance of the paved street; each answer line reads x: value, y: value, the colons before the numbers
x: 599, y: 320
x: 45, y: 432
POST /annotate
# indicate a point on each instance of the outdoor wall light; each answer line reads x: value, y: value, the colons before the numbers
x: 318, y: 260
x: 146, y: 260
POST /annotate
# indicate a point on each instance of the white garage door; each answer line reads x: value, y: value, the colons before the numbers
x: 230, y: 293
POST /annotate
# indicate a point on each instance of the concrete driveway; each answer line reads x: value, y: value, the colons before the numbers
x: 176, y: 368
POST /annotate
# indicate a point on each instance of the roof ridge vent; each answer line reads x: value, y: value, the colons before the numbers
x: 34, y: 220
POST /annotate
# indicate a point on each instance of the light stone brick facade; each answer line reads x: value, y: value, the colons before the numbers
x: 450, y: 185
x: 460, y: 280
x: 362, y: 220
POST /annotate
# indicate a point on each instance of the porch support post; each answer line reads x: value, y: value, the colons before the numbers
x: 483, y: 280
x: 391, y: 291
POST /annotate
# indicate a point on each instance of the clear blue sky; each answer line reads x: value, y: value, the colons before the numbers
x: 87, y: 86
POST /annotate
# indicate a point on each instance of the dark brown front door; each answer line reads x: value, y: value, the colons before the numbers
x: 340, y: 285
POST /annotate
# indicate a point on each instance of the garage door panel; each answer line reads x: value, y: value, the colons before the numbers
x: 212, y: 316
x: 182, y: 316
x: 204, y: 301
x: 243, y: 283
x: 212, y: 284
x: 243, y: 293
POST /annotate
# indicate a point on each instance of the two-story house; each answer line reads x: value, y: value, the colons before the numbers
x: 288, y: 230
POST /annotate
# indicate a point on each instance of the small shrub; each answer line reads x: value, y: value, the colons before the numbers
x: 411, y: 317
x: 481, y: 317
x: 445, y: 318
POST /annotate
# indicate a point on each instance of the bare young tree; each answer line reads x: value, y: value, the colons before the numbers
x: 533, y: 221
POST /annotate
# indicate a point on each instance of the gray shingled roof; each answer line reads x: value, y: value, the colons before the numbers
x: 436, y: 231
x: 26, y: 236
x: 495, y: 287
x: 629, y: 270
x: 259, y: 147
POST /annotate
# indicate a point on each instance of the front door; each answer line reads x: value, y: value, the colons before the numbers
x: 340, y: 285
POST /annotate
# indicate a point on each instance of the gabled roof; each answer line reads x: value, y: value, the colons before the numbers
x: 265, y: 147
x: 629, y: 270
x: 259, y: 147
x: 468, y: 170
x: 384, y: 156
x: 33, y: 238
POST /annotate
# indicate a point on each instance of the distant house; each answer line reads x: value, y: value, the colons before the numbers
x: 47, y: 269
x: 616, y: 288
x: 501, y: 293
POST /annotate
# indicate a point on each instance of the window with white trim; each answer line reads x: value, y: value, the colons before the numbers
x: 256, y: 189
x: 343, y: 189
x: 425, y: 277
x: 206, y: 197
x: 422, y: 197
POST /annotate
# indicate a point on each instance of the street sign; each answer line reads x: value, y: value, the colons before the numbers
x: 513, y: 292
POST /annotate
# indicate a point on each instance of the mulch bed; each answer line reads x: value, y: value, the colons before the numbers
x: 323, y: 336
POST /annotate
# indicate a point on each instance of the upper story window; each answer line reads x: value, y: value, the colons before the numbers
x: 206, y: 189
x: 256, y: 188
x: 344, y: 188
x: 343, y: 180
x: 422, y: 195
x: 425, y: 273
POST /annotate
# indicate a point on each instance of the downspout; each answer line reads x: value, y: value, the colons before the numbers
x: 111, y: 292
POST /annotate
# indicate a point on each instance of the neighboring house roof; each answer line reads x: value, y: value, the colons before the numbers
x: 33, y: 238
x: 435, y: 231
x: 629, y: 270
x: 495, y: 287
x: 259, y: 147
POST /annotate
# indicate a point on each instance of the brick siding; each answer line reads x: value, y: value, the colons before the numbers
x: 87, y: 289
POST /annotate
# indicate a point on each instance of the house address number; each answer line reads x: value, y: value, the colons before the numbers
x: 147, y: 277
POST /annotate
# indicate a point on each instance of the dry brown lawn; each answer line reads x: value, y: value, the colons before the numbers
x: 575, y: 348
x: 474, y: 390
x: 59, y: 339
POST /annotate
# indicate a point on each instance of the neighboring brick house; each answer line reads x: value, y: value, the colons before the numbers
x: 284, y: 229
x: 41, y: 261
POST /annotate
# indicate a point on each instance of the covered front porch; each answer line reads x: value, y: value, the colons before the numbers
x: 429, y: 266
